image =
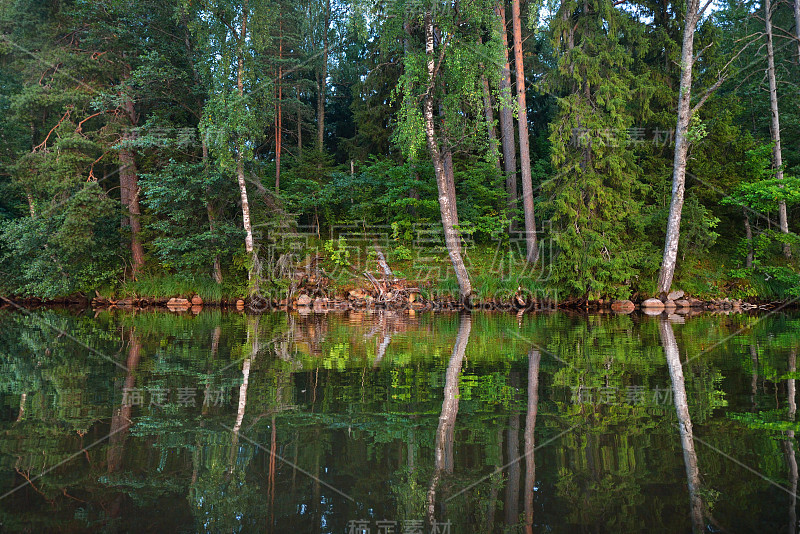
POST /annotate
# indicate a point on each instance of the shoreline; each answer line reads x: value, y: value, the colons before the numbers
x: 304, y: 304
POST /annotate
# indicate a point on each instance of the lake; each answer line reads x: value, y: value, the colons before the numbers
x: 392, y: 422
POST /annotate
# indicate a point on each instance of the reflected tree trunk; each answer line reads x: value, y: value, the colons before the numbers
x: 788, y: 443
x: 754, y: 381
x: 271, y: 476
x: 121, y: 418
x: 252, y: 341
x: 497, y: 483
x: 443, y: 452
x: 672, y: 355
x: 514, y: 470
x: 534, y: 357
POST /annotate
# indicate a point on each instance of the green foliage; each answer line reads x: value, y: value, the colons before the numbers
x: 337, y: 251
x: 68, y: 250
x: 181, y: 198
x: 595, y: 196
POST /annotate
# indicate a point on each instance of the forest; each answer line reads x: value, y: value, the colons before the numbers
x: 600, y: 149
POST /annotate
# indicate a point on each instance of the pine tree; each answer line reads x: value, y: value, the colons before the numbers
x: 594, y: 197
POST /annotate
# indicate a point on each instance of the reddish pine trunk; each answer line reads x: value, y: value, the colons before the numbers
x: 531, y: 244
x: 129, y: 193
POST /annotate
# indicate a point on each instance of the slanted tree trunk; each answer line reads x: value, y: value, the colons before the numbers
x: 323, y: 80
x: 447, y: 204
x: 507, y: 119
x: 449, y: 170
x: 21, y: 413
x: 670, y: 257
x: 672, y: 354
x: 775, y: 125
x: 531, y: 244
x: 248, y: 229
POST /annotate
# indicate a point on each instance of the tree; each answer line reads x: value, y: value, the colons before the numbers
x: 531, y: 245
x: 451, y: 96
x: 775, y: 124
x: 694, y: 11
x: 595, y: 194
x: 233, y: 34
x: 672, y: 354
x: 507, y: 117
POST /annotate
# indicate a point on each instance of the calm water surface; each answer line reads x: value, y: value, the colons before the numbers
x: 386, y: 422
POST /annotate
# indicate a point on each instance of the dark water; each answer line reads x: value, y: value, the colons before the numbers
x: 356, y: 422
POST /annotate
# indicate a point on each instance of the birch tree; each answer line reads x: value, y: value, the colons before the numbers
x: 442, y: 94
x: 234, y: 118
x: 775, y: 121
x: 694, y: 11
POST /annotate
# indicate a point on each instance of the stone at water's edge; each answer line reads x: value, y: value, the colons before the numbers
x: 197, y: 300
x: 178, y: 303
x: 303, y: 300
x: 240, y: 304
x: 357, y: 294
x: 675, y: 295
x: 622, y: 306
x: 683, y: 303
x: 653, y: 304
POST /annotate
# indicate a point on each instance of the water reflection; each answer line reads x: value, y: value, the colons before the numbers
x: 534, y: 358
x: 788, y: 443
x: 431, y: 417
x: 672, y: 355
x: 443, y: 448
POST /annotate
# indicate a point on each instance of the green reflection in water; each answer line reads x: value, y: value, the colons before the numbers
x: 225, y: 422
